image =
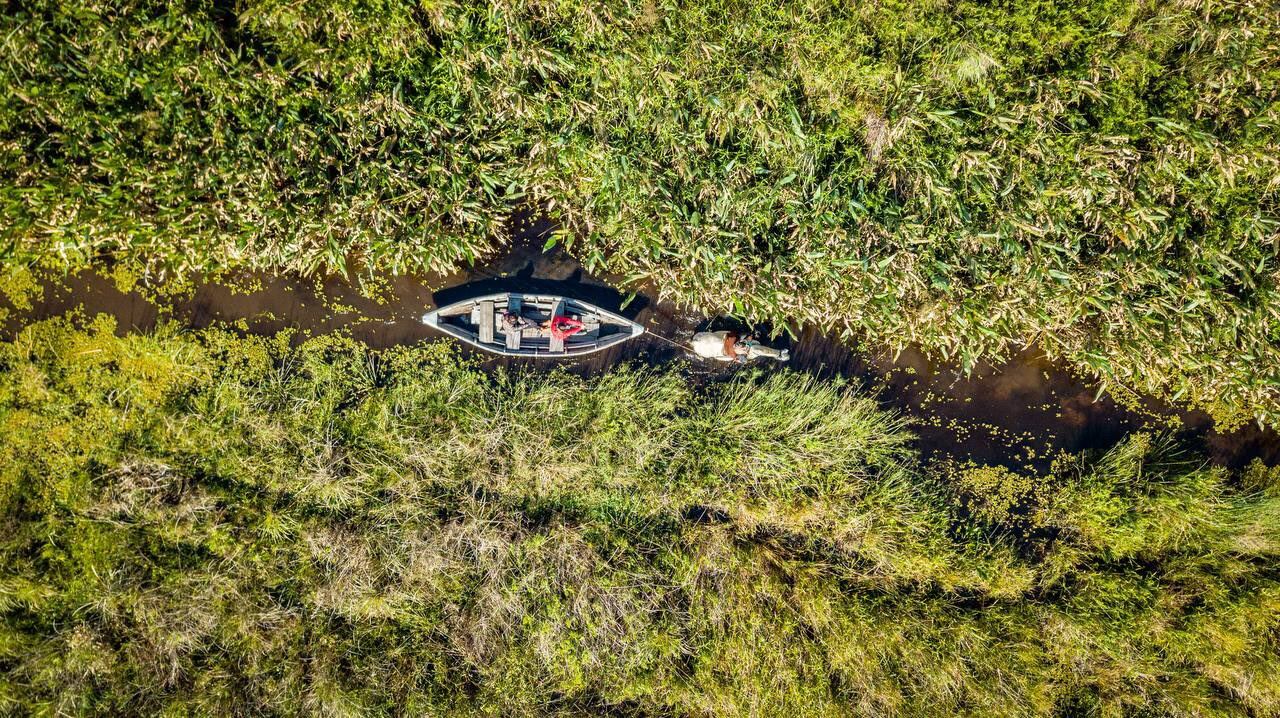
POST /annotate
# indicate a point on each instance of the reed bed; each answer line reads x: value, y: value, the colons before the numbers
x: 1099, y: 178
x: 209, y: 524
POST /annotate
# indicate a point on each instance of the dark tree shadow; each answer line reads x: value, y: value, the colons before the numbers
x: 524, y: 281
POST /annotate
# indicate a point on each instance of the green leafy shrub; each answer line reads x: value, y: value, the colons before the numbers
x: 202, y: 523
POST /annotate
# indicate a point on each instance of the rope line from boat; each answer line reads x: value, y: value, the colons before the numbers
x: 677, y: 345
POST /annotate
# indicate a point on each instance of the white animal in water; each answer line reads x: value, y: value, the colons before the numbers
x: 726, y: 346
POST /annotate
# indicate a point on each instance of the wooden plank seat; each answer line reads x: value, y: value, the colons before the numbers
x: 486, y: 321
x: 557, y: 344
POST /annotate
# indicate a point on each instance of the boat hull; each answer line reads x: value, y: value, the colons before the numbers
x: 479, y: 323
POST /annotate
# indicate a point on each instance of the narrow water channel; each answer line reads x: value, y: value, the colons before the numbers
x: 1020, y: 413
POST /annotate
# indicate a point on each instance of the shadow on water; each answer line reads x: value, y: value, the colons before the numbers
x: 572, y: 287
x: 1020, y: 413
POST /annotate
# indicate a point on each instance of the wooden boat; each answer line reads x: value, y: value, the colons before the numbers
x: 479, y: 322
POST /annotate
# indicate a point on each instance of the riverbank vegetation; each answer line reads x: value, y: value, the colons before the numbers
x: 204, y: 523
x: 1098, y: 177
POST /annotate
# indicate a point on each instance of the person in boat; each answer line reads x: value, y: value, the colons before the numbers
x: 739, y: 348
x: 514, y: 322
x: 562, y: 327
x: 730, y: 346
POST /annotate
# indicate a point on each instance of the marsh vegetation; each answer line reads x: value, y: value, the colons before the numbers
x: 214, y: 524
x: 1098, y: 177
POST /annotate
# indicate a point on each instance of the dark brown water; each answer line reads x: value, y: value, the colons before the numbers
x: 1020, y: 413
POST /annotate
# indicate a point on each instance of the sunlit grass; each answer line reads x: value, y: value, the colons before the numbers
x: 1098, y: 177
x: 328, y: 529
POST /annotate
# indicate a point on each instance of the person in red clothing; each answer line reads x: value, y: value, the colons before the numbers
x: 564, y: 327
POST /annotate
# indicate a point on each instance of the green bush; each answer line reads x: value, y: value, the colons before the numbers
x: 1099, y: 177
x: 208, y: 524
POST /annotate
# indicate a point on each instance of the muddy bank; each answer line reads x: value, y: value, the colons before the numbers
x: 1020, y: 413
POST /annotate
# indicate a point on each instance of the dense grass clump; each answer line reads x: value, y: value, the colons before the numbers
x: 1098, y: 176
x: 213, y: 525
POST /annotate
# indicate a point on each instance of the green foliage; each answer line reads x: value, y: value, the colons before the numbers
x: 210, y: 524
x: 1099, y: 177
